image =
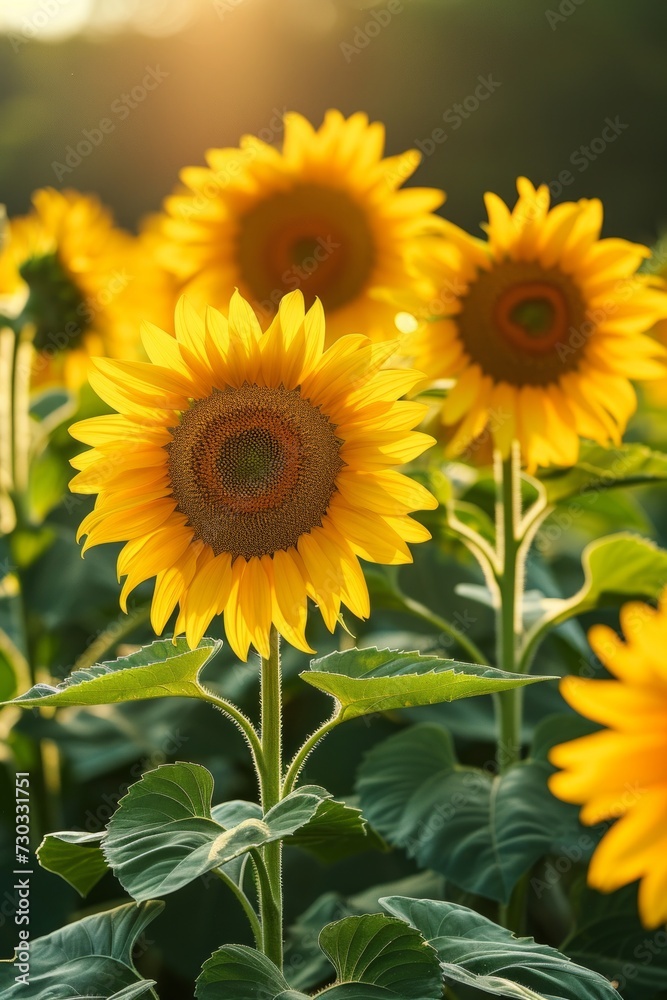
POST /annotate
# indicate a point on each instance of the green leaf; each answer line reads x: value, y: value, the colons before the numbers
x: 91, y: 959
x: 76, y: 857
x: 602, y: 468
x: 619, y: 567
x: 163, y: 834
x: 478, y: 953
x: 610, y: 938
x: 616, y: 569
x: 309, y: 967
x: 374, y: 956
x: 163, y: 669
x: 479, y: 830
x: 244, y: 974
x: 376, y: 950
x: 365, y: 681
x: 49, y: 475
x: 335, y: 831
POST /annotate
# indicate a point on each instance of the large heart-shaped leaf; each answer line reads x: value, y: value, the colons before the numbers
x: 610, y: 938
x: 77, y: 857
x: 365, y: 681
x: 480, y: 830
x: 478, y: 953
x: 375, y: 950
x: 244, y: 974
x: 374, y: 957
x: 308, y: 965
x: 600, y: 468
x: 162, y: 669
x: 91, y: 959
x: 164, y: 833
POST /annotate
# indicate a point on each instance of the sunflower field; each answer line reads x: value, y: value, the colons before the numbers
x: 333, y: 545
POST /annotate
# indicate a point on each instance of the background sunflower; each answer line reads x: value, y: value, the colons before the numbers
x: 542, y: 326
x: 325, y: 215
x: 69, y: 269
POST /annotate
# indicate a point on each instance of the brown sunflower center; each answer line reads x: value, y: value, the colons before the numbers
x: 314, y: 238
x: 523, y: 324
x: 253, y: 468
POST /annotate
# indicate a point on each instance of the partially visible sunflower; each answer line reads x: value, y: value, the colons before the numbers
x: 248, y: 471
x: 325, y: 215
x: 73, y: 274
x: 621, y: 771
x: 542, y: 325
x: 656, y: 390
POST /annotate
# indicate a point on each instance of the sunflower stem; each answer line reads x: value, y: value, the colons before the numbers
x: 271, y: 905
x: 509, y: 704
x: 302, y: 754
x: 21, y: 424
x: 447, y: 628
x: 111, y: 636
x: 245, y: 903
x: 22, y: 370
x: 229, y: 709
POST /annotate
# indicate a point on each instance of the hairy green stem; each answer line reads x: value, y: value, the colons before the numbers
x: 302, y: 754
x: 245, y: 903
x: 244, y: 724
x: 466, y: 644
x: 111, y: 636
x: 271, y: 903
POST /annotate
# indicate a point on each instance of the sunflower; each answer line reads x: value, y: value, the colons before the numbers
x: 325, y: 215
x: 248, y: 471
x: 69, y: 270
x: 621, y: 771
x: 656, y: 390
x: 542, y: 325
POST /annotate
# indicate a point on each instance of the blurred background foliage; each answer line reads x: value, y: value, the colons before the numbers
x: 560, y: 69
x: 554, y: 72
